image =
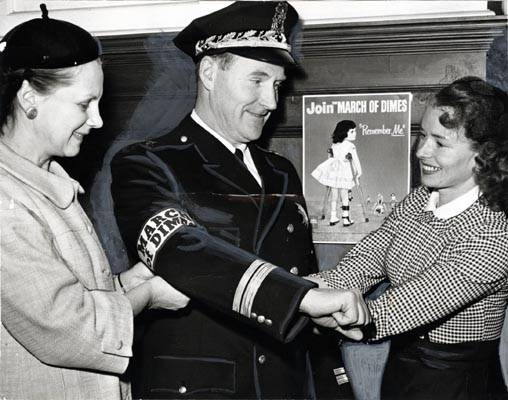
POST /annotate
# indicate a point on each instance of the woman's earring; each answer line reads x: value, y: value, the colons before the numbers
x: 31, y: 113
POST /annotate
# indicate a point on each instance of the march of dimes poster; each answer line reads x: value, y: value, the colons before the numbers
x: 356, y: 152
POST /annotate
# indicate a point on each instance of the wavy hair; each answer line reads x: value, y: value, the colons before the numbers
x: 482, y: 110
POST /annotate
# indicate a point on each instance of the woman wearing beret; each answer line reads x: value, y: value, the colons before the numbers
x: 67, y: 324
x: 444, y: 249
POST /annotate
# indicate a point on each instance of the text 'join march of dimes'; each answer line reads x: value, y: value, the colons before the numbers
x: 357, y: 106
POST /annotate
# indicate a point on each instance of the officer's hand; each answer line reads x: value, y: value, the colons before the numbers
x: 336, y: 308
x: 165, y: 296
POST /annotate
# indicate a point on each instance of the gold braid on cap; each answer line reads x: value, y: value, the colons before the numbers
x: 274, y: 37
x: 252, y: 38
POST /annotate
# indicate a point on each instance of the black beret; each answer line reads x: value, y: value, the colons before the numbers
x: 252, y: 29
x: 47, y: 43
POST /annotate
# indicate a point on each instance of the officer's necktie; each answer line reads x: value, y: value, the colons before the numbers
x: 239, y: 154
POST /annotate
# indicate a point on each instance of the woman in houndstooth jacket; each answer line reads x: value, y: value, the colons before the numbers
x: 444, y: 249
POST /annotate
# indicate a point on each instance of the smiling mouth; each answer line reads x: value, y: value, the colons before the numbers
x: 429, y: 169
x: 261, y: 115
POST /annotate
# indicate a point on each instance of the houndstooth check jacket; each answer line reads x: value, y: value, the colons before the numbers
x: 449, y: 277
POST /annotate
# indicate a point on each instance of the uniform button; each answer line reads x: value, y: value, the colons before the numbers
x: 253, y: 315
x: 183, y: 139
x: 290, y: 228
x: 268, y: 322
x: 182, y: 390
x: 421, y: 337
x: 261, y: 319
x: 119, y: 345
x: 262, y: 359
x: 294, y: 270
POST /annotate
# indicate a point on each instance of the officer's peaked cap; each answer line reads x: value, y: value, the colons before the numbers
x: 47, y: 43
x: 252, y: 29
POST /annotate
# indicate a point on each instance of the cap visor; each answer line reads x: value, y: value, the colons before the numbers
x: 266, y: 54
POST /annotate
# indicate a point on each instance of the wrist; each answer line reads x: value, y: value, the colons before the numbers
x: 305, y: 304
x: 139, y: 297
x: 120, y: 283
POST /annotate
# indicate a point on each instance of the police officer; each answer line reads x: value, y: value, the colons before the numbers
x: 225, y: 222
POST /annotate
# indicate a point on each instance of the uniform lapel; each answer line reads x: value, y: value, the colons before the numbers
x: 275, y: 185
x: 219, y: 162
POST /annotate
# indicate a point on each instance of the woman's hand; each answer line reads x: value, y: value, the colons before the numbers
x: 155, y: 293
x: 165, y: 296
x: 134, y: 276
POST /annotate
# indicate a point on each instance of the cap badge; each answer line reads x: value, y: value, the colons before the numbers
x: 279, y: 17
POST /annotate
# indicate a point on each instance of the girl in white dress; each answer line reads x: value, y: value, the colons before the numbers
x: 340, y: 172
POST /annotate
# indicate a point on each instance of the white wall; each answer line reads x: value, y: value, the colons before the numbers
x: 115, y: 17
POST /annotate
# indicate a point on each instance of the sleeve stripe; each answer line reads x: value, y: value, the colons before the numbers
x: 157, y: 230
x: 240, y: 289
x: 249, y: 285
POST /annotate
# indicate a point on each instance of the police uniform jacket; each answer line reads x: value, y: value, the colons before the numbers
x: 191, y: 211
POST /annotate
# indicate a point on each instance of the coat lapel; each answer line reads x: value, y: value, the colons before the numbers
x: 220, y: 163
x: 275, y: 186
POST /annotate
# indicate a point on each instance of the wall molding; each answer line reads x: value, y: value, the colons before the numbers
x: 402, y: 37
x: 367, y: 38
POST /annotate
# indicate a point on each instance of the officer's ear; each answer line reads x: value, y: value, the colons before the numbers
x: 207, y: 71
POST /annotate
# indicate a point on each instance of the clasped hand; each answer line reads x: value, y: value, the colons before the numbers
x: 342, y: 310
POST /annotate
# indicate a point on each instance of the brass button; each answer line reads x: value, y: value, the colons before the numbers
x: 253, y: 315
x: 183, y: 139
x: 294, y: 270
x: 290, y: 228
x: 262, y: 359
x: 261, y: 319
x: 182, y: 390
x: 268, y: 322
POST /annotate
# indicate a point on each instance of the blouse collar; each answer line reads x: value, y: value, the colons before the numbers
x: 454, y: 207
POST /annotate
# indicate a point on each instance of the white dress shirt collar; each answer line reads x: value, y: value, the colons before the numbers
x: 206, y: 127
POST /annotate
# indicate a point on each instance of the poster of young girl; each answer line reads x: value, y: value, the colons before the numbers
x: 356, y: 152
